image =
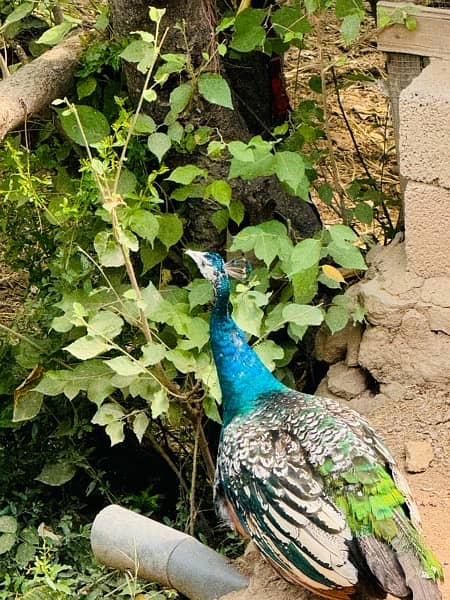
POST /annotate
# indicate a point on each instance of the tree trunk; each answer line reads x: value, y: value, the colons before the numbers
x: 263, y: 197
x: 35, y: 85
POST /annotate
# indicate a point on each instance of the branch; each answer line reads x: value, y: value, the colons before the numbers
x: 34, y: 86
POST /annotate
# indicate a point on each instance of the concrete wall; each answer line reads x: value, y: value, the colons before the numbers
x: 425, y: 163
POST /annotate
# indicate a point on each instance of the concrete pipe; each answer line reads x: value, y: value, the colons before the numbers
x: 124, y: 540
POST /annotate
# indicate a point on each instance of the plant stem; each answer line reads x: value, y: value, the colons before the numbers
x: 168, y: 460
x: 203, y: 443
x: 334, y: 169
x: 192, y: 512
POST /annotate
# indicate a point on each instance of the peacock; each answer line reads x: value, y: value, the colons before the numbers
x: 307, y: 479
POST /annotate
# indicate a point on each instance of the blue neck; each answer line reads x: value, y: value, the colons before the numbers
x: 242, y: 375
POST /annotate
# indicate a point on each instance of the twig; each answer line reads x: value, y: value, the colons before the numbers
x: 203, y: 443
x: 4, y: 67
x: 168, y: 460
x: 57, y: 14
x: 334, y: 170
x: 349, y: 127
x: 357, y: 150
x: 192, y: 512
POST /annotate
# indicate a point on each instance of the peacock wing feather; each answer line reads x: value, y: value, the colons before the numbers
x: 281, y: 502
x: 311, y: 483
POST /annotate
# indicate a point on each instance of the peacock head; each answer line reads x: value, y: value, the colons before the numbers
x: 214, y: 268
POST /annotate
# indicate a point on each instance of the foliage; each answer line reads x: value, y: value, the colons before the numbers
x: 114, y: 335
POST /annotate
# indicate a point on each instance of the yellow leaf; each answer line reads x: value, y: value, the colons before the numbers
x: 243, y: 5
x: 333, y: 273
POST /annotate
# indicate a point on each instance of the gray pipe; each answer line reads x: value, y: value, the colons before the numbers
x: 124, y: 540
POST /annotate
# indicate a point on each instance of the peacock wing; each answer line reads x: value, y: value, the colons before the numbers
x: 280, y: 501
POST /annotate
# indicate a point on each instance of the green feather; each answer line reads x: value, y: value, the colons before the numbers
x: 369, y: 498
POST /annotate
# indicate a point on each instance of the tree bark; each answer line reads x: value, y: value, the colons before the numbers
x: 35, y: 85
x: 263, y: 197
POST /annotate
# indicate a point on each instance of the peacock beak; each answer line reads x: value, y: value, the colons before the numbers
x: 197, y: 257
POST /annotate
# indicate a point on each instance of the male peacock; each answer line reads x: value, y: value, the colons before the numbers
x: 308, y: 479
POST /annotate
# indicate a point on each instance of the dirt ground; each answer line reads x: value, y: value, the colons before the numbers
x: 424, y: 414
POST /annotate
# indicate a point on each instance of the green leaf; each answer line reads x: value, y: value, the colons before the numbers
x: 94, y: 125
x: 180, y: 97
x: 274, y: 319
x: 175, y: 131
x: 215, y: 89
x: 347, y: 7
x: 236, y: 211
x: 149, y: 95
x: 86, y: 87
x: 159, y: 403
x: 263, y: 239
x: 210, y: 409
x: 140, y: 424
x: 248, y: 31
x: 152, y: 354
x: 186, y: 174
x: 134, y: 52
x: 140, y: 52
x: 145, y: 224
x: 108, y: 413
x: 57, y: 473
x: 159, y: 144
x: 183, y: 360
x: 364, y: 212
x: 197, y: 332
x: 152, y: 256
x: 55, y: 34
x: 220, y: 190
x: 170, y: 229
x: 91, y: 376
x: 23, y: 10
x: 220, y: 219
x: 304, y: 284
x: 115, y: 432
x: 193, y: 190
x: 305, y: 254
x: 289, y: 20
x: 290, y: 170
x: 156, y: 14
x: 268, y: 351
x: 7, y: 541
x: 336, y: 318
x: 8, y: 524
x: 200, y: 293
x: 143, y: 386
x: 123, y: 365
x: 350, y: 27
x: 105, y: 323
x: 347, y: 256
x: 144, y: 124
x: 24, y: 555
x: 127, y: 239
x: 247, y: 314
x: 342, y: 233
x: 108, y: 250
x: 302, y: 314
x: 87, y: 347
x: 331, y: 283
x: 127, y: 182
x: 246, y: 41
x: 27, y: 406
x: 326, y: 193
